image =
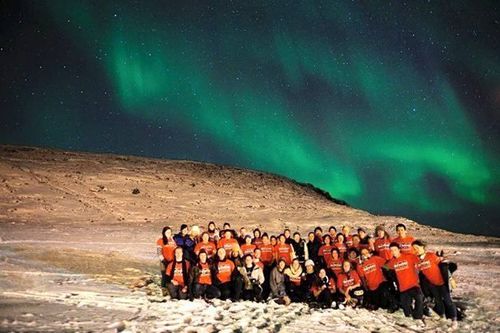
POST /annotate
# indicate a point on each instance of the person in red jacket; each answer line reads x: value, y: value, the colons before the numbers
x: 267, y: 258
x: 378, y: 293
x: 283, y: 250
x: 257, y: 237
x: 325, y: 251
x: 403, y: 239
x: 405, y: 267
x: 203, y: 277
x: 335, y: 262
x: 205, y: 245
x: 165, y: 247
x: 382, y: 243
x: 227, y: 280
x: 178, y: 275
x: 248, y: 247
x: 228, y: 242
x: 349, y: 285
x: 428, y: 265
x: 340, y: 245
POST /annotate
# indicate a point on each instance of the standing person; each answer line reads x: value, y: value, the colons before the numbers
x: 206, y: 245
x: 274, y: 241
x: 253, y: 278
x: 378, y: 294
x: 165, y: 247
x: 184, y: 240
x: 257, y: 254
x: 403, y: 239
x: 349, y: 285
x: 213, y: 232
x: 299, y: 247
x: 202, y: 277
x: 257, y: 237
x: 228, y: 242
x: 325, y: 251
x: 428, y: 265
x: 341, y: 245
x: 293, y: 281
x: 313, y: 246
x: 178, y: 275
x: 248, y: 247
x: 404, y: 266
x: 332, y: 231
x: 318, y: 233
x: 227, y: 280
x: 283, y: 250
x: 277, y: 284
x: 335, y: 263
x: 347, y: 237
x: 382, y: 243
x: 324, y: 290
x: 242, y: 235
x: 267, y: 258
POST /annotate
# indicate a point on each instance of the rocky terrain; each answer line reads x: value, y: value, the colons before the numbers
x: 78, y: 232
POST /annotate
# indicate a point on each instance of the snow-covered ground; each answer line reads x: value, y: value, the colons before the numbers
x: 76, y: 246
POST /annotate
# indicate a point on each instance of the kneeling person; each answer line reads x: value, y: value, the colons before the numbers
x: 177, y: 275
x: 202, y: 276
x: 253, y: 278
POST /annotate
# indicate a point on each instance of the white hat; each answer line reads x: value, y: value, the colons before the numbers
x: 309, y: 262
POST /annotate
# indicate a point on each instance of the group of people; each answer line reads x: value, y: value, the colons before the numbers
x: 327, y: 269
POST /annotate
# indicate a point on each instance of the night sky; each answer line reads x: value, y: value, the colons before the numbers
x: 391, y: 106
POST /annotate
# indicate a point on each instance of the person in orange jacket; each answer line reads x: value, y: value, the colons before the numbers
x: 165, y: 247
x: 177, y: 273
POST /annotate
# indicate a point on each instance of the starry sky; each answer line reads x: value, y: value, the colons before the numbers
x: 392, y: 106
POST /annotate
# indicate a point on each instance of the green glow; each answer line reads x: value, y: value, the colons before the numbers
x: 379, y: 110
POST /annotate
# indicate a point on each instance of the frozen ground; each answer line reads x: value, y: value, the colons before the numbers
x: 77, y: 247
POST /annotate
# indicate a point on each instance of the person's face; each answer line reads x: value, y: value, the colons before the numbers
x: 311, y: 237
x: 401, y: 232
x: 168, y: 233
x: 243, y: 231
x: 346, y: 266
x: 221, y: 253
x: 322, y: 273
x: 395, y: 251
x: 362, y: 234
x: 281, y: 264
x: 203, y: 257
x: 265, y: 240
x: 340, y: 239
x: 309, y: 268
x: 327, y: 240
x: 296, y: 238
x: 273, y: 240
x: 178, y: 254
x: 184, y: 231
x: 318, y: 233
x: 282, y: 239
x: 380, y: 233
x: 205, y: 238
x: 248, y: 261
x: 335, y: 255
x: 227, y: 234
x: 419, y: 250
x: 295, y: 264
x: 287, y: 233
x: 211, y: 227
x: 226, y: 226
x: 346, y: 230
x: 248, y: 240
x: 256, y: 233
x: 365, y: 253
x: 355, y: 240
x: 352, y: 255
x: 257, y: 253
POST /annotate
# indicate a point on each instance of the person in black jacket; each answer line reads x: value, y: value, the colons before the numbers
x: 313, y: 245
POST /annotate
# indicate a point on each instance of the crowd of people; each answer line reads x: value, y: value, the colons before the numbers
x: 331, y: 269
